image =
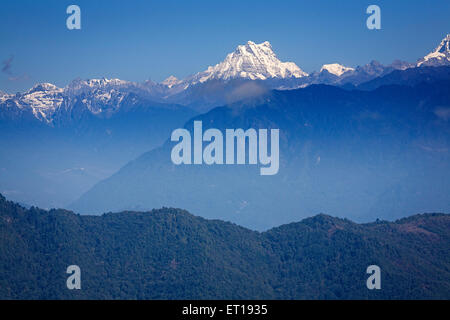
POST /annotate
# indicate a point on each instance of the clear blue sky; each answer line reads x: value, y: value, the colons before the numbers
x: 139, y: 40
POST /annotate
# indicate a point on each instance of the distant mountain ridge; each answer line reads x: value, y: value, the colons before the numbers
x: 408, y: 77
x: 171, y: 254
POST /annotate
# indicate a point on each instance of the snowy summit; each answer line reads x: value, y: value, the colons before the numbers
x: 171, y: 81
x: 336, y: 69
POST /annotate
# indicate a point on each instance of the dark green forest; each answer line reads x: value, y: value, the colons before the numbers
x: 171, y: 254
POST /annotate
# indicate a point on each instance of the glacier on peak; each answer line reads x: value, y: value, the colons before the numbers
x: 171, y: 81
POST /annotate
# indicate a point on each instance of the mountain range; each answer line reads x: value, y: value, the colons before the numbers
x: 171, y: 254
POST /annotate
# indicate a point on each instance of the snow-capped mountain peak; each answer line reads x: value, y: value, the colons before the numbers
x: 439, y: 56
x: 250, y: 61
x: 336, y: 69
x: 43, y: 99
x: 100, y: 96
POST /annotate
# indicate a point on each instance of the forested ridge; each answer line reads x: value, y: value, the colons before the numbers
x: 170, y: 254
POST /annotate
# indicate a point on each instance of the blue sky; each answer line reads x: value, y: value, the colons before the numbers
x: 139, y: 40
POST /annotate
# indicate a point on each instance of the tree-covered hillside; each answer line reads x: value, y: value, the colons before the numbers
x: 171, y: 254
